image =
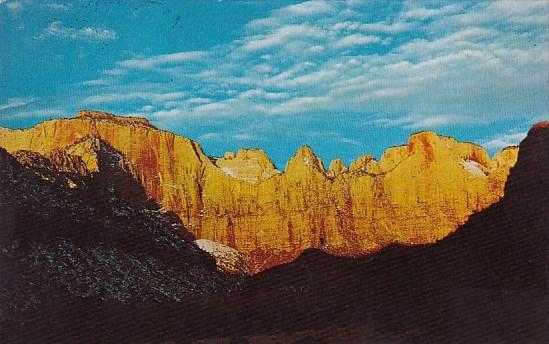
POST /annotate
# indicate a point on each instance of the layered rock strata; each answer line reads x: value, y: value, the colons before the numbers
x: 416, y: 193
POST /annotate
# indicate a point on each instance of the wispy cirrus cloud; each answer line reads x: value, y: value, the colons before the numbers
x: 121, y: 97
x: 239, y: 136
x: 313, y: 72
x: 58, y: 7
x: 34, y: 113
x: 415, y: 122
x: 448, y: 71
x: 356, y: 39
x: 57, y: 29
x: 307, y: 8
x: 504, y: 140
x: 282, y: 36
x: 14, y: 103
x: 383, y: 27
x: 420, y: 65
x: 13, y: 6
x: 423, y: 13
x: 162, y: 60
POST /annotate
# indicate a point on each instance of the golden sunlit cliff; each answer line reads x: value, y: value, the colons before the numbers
x: 416, y: 193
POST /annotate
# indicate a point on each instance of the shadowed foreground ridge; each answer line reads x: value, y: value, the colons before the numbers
x: 72, y: 236
x: 487, y: 282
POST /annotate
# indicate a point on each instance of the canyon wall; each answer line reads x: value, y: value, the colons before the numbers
x: 416, y: 193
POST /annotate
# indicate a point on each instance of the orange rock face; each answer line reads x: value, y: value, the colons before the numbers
x: 416, y: 193
x: 249, y: 165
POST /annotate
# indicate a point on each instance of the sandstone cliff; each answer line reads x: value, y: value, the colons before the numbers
x: 416, y: 193
x: 249, y: 165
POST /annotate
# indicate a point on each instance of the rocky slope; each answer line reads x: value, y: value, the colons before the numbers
x: 416, y: 193
x: 227, y: 259
x: 76, y: 226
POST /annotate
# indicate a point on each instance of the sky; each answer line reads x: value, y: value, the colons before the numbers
x: 346, y: 77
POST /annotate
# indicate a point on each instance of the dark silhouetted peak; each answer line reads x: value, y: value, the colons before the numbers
x: 541, y: 125
x: 530, y: 175
x: 8, y: 164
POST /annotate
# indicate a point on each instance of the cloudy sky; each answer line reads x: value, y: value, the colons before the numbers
x: 346, y: 77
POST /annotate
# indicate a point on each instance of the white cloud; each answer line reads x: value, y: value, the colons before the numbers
x: 122, y: 97
x: 356, y: 39
x: 522, y: 13
x: 233, y: 135
x: 209, y: 136
x: 421, y: 121
x: 244, y: 137
x: 386, y: 28
x: 147, y: 108
x: 97, y: 82
x: 92, y: 33
x: 311, y: 79
x: 47, y: 113
x: 282, y: 36
x: 462, y: 66
x: 57, y: 7
x: 504, y: 140
x: 198, y: 100
x: 15, y: 103
x: 263, y: 23
x: 262, y: 94
x: 390, y: 28
x: 426, y: 13
x: 467, y: 38
x: 350, y: 141
x: 307, y: 8
x: 58, y: 30
x: 159, y: 60
x: 116, y: 72
x: 14, y: 6
x: 300, y: 105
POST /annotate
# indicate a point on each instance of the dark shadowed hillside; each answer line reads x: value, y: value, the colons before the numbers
x: 70, y: 237
x: 487, y: 282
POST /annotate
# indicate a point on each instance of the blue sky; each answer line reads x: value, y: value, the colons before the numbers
x: 345, y: 77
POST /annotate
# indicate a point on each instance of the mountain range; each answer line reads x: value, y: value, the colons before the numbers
x: 88, y: 253
x: 416, y: 193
